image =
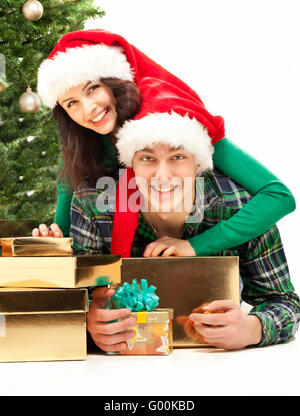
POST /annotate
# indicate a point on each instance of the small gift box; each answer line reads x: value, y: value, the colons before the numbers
x: 36, y: 246
x: 153, y: 326
x: 153, y: 333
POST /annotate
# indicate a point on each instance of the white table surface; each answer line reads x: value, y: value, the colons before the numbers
x: 272, y: 370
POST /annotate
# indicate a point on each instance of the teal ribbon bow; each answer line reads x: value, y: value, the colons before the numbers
x: 136, y: 297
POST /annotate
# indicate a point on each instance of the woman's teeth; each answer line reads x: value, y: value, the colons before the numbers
x: 100, y: 116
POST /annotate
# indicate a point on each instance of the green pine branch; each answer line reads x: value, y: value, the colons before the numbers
x: 29, y: 142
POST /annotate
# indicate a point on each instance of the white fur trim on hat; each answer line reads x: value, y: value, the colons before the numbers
x: 76, y: 65
x: 165, y: 128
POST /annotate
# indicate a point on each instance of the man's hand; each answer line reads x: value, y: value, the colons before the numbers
x: 170, y: 247
x: 108, y: 336
x: 231, y: 330
x: 43, y: 231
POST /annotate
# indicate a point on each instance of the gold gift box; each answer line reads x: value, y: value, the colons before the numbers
x: 185, y: 283
x: 36, y: 246
x: 153, y: 333
x: 15, y: 228
x: 42, y: 325
x: 63, y: 272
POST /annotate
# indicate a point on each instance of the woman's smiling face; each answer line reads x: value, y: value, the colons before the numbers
x: 91, y: 105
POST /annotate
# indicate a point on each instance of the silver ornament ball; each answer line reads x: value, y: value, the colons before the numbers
x: 32, y: 10
x: 29, y: 102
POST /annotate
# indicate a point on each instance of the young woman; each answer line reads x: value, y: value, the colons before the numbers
x: 78, y: 60
x: 87, y: 126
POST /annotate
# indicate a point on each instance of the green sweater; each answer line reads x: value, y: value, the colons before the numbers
x: 271, y: 200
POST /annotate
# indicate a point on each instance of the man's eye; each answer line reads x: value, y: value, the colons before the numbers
x: 146, y: 158
x: 178, y: 157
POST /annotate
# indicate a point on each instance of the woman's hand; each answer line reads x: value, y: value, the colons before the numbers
x: 231, y: 330
x: 43, y: 231
x: 107, y: 335
x: 170, y: 247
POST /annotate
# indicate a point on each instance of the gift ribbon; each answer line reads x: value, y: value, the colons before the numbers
x: 136, y: 297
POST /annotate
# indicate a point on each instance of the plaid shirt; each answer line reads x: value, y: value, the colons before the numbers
x: 263, y: 266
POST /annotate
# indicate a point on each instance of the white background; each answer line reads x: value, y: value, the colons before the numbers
x: 268, y: 371
x: 242, y: 58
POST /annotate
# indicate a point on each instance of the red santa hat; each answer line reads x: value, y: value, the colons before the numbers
x: 89, y: 55
x: 171, y: 116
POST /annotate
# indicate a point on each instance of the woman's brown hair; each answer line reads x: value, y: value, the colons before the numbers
x: 81, y: 146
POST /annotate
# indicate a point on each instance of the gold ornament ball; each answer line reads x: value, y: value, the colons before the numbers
x: 29, y: 102
x: 32, y: 10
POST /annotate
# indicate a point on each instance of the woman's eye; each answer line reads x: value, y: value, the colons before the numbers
x: 178, y: 157
x: 93, y: 87
x: 71, y: 103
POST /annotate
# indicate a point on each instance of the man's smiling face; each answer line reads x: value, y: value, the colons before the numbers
x: 165, y: 176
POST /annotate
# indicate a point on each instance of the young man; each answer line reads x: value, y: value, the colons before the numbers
x: 167, y: 153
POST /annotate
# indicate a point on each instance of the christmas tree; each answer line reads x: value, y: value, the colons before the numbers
x: 30, y: 149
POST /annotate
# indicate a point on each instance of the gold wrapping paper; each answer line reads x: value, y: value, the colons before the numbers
x: 16, y: 228
x: 42, y: 324
x: 154, y: 334
x: 36, y: 246
x: 63, y: 272
x: 185, y: 283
